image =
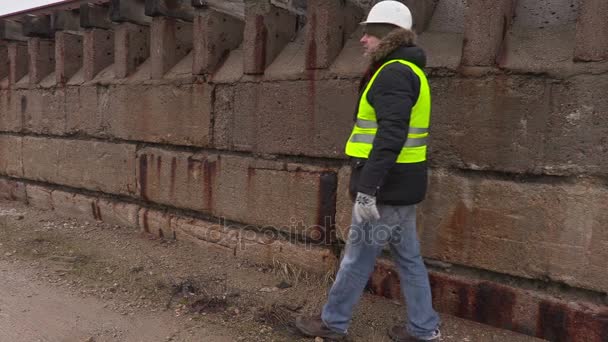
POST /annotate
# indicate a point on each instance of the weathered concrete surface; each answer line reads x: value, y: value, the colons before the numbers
x: 535, y: 14
x: 245, y: 244
x: 179, y: 179
x: 161, y: 113
x: 344, y: 204
x: 98, y: 52
x: 12, y: 190
x: 39, y: 197
x: 11, y: 107
x: 529, y: 124
x: 526, y: 311
x: 532, y: 230
x: 592, y: 31
x: 325, y: 113
x: 215, y: 35
x: 42, y: 59
x: 267, y: 30
x: 289, y: 197
x: 90, y: 208
x: 93, y: 165
x: 485, y: 26
x: 18, y: 61
x: 171, y: 40
x: 131, y: 49
x: 11, y: 152
x: 43, y: 110
x: 68, y: 56
x: 235, y: 110
x: 87, y: 110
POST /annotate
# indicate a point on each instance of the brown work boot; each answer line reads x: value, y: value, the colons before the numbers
x: 398, y: 333
x: 314, y: 327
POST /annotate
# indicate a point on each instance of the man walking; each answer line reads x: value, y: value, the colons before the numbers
x: 389, y: 175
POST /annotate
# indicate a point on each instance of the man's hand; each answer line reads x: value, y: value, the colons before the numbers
x: 365, y: 208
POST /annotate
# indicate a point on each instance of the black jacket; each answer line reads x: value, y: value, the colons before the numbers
x: 393, y: 94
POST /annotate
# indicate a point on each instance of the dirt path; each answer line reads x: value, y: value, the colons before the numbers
x: 67, y: 280
x: 33, y: 311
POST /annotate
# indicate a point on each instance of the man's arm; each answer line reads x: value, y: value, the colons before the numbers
x: 392, y: 95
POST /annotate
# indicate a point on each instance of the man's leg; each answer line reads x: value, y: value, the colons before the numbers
x: 423, y: 321
x: 365, y: 242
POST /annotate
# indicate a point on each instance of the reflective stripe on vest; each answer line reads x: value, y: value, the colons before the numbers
x: 362, y: 137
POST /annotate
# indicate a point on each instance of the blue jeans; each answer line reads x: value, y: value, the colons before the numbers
x: 397, y: 227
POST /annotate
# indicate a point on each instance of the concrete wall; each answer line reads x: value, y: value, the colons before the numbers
x: 137, y: 112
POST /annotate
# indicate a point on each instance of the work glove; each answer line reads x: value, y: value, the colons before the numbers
x: 365, y: 208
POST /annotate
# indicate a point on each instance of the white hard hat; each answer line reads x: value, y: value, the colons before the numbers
x: 390, y: 12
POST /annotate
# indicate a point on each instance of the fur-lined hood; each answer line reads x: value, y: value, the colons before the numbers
x: 401, y: 44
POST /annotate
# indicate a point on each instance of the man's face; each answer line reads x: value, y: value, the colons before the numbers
x: 370, y: 44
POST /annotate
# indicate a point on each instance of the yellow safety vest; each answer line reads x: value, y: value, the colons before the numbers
x: 361, y: 140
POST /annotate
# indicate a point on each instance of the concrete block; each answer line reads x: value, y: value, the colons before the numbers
x: 39, y: 197
x: 74, y: 205
x: 179, y: 179
x: 87, y: 110
x: 267, y: 30
x: 444, y: 50
x: 171, y: 41
x: 260, y: 248
x: 539, y: 51
x: 574, y: 129
x: 42, y: 59
x: 157, y: 223
x: 11, y: 160
x: 215, y: 35
x: 533, y: 14
x: 502, y: 306
x: 66, y: 20
x: 117, y: 213
x: 11, y: 30
x: 181, y: 9
x: 270, y: 251
x: 161, y: 113
x: 131, y: 11
x: 324, y: 32
x: 38, y: 26
x: 592, y: 31
x: 11, y: 107
x: 132, y: 48
x: 68, y: 55
x: 507, y: 116
x: 464, y: 221
x: 313, y: 107
x: 297, y: 200
x: 235, y: 116
x: 92, y: 165
x: 350, y: 61
x: 94, y: 209
x: 231, y: 71
x: 12, y: 190
x: 486, y: 23
x: 98, y: 52
x: 207, y: 233
x: 44, y: 110
x: 235, y: 8
x: 344, y: 204
x: 18, y: 61
x: 93, y: 16
x: 449, y: 17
